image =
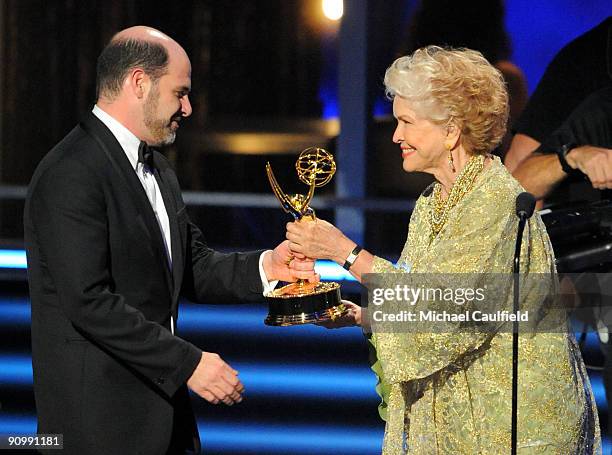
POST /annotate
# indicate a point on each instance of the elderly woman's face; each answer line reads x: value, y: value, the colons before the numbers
x: 421, y: 141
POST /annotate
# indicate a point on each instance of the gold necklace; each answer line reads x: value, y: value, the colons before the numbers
x: 464, y: 183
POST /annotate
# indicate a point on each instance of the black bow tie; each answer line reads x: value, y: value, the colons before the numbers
x: 145, y: 154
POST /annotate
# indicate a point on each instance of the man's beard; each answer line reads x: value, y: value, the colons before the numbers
x: 160, y: 129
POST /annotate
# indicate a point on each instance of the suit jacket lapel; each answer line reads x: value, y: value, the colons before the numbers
x: 175, y: 236
x: 111, y: 147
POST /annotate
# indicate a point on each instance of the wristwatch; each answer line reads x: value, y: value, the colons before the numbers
x: 350, y: 260
x: 562, y: 155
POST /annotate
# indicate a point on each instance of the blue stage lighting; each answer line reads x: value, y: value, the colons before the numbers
x: 331, y: 271
x: 13, y: 259
x: 15, y: 369
x: 15, y: 312
x: 231, y: 437
x: 308, y: 381
x: 214, y: 320
x: 598, y: 390
x: 17, y: 424
x: 248, y: 320
x: 286, y: 380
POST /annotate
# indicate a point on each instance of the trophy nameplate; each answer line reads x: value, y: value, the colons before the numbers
x: 303, y: 302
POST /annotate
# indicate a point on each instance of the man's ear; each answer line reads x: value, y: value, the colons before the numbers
x: 453, y: 136
x: 137, y: 83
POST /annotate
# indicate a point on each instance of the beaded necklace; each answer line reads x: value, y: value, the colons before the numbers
x: 463, y: 184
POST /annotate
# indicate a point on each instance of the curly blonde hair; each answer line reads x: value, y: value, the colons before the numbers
x: 454, y: 87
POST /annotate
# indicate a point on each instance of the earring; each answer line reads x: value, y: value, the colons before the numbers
x: 451, y: 163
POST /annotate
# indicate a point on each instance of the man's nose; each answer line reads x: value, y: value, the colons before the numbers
x: 186, y: 106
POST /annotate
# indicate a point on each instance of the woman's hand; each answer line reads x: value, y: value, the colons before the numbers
x: 351, y: 319
x: 282, y: 264
x: 318, y: 239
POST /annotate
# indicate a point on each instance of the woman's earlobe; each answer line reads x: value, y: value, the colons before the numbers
x: 453, y: 135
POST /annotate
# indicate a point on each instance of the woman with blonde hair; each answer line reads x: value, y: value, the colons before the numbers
x: 450, y: 391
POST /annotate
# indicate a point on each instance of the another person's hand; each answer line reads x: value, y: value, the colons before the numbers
x: 595, y: 163
x: 351, y: 319
x: 285, y: 265
x: 215, y: 381
x: 318, y: 239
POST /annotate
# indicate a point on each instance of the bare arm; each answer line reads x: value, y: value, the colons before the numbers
x: 539, y: 174
x: 520, y: 148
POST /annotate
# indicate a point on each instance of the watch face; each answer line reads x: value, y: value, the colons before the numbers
x: 565, y: 148
x: 352, y: 257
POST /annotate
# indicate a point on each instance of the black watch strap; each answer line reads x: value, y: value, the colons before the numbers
x: 350, y: 260
x: 562, y: 155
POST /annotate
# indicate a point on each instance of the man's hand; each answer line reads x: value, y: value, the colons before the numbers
x: 595, y: 163
x: 215, y: 381
x: 284, y: 265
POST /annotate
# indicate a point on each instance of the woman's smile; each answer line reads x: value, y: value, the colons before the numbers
x: 407, y: 150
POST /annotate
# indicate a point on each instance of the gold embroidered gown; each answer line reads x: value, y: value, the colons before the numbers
x: 450, y: 393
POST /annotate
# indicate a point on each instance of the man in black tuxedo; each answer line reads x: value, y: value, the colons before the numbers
x: 110, y: 251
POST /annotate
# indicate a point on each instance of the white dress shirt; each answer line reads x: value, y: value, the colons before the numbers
x: 130, y: 143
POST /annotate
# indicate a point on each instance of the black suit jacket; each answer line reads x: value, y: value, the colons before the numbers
x: 108, y: 373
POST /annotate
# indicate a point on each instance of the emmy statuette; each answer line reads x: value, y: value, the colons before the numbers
x: 303, y: 302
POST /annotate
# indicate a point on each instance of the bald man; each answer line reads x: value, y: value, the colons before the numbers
x: 111, y: 250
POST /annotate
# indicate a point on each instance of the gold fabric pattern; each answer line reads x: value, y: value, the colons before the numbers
x: 450, y: 393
